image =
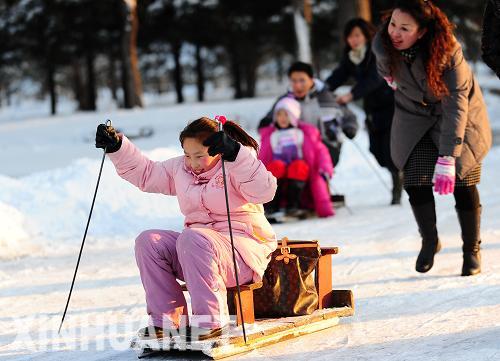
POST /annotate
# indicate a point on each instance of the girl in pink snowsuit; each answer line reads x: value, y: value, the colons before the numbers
x: 293, y: 151
x: 200, y: 254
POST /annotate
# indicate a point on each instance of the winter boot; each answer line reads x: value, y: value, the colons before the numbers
x: 293, y: 194
x: 150, y: 332
x: 425, y: 215
x: 470, y: 223
x: 273, y: 206
x: 200, y: 334
x: 397, y: 187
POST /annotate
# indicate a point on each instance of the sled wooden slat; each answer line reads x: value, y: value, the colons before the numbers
x: 246, y: 292
x: 329, y: 250
x: 280, y: 325
x: 324, y: 280
x: 263, y: 333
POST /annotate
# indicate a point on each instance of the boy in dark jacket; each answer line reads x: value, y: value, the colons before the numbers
x: 318, y: 107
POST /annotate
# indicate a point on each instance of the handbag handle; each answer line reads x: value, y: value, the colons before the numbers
x: 285, y: 256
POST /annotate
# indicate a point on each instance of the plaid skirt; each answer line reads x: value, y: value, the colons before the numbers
x: 419, y: 168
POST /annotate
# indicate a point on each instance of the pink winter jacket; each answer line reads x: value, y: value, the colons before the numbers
x: 316, y: 156
x: 201, y: 197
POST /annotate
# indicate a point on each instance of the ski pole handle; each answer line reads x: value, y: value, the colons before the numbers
x: 108, y: 124
x: 221, y: 121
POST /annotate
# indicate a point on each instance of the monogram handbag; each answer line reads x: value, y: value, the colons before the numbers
x: 288, y: 287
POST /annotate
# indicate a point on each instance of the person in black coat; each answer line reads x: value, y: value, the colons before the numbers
x: 491, y: 33
x: 359, y: 63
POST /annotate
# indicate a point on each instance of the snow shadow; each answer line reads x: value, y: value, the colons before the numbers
x: 411, y: 254
x: 427, y: 301
x: 81, y: 311
x: 481, y: 345
x: 33, y: 290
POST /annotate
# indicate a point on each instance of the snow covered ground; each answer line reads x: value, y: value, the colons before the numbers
x: 49, y: 167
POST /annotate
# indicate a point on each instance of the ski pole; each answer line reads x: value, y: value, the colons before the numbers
x: 221, y: 120
x: 345, y: 204
x: 372, y: 166
x: 108, y: 123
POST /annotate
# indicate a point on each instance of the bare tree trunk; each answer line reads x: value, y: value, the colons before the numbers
x: 250, y: 77
x: 91, y: 86
x: 280, y: 68
x: 112, y: 83
x: 133, y: 53
x: 200, y: 76
x: 236, y: 75
x: 179, y: 83
x: 131, y: 79
x: 8, y: 94
x: 364, y: 9
x: 127, y: 82
x: 78, y: 84
x: 302, y: 17
x: 51, y: 84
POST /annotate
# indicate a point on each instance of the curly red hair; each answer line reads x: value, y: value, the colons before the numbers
x: 437, y: 44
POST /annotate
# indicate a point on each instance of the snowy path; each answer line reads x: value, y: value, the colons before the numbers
x: 400, y: 315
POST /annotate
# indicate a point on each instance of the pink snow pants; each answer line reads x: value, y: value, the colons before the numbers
x: 203, y: 259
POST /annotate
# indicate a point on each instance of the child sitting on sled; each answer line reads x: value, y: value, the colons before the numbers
x: 293, y: 151
x: 201, y: 253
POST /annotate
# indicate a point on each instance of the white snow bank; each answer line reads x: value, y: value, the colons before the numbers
x: 50, y: 209
x: 14, y: 240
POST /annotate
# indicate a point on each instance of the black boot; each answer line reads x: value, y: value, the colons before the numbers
x: 293, y: 194
x: 273, y: 206
x: 150, y: 332
x: 470, y: 223
x: 397, y: 187
x: 425, y: 215
x: 200, y: 334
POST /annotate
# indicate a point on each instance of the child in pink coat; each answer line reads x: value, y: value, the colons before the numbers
x: 293, y: 151
x: 200, y: 254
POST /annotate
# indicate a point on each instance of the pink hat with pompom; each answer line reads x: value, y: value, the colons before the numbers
x: 291, y: 106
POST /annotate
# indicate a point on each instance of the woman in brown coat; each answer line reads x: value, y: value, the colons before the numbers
x: 440, y: 131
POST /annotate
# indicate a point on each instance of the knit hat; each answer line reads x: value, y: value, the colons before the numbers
x: 291, y: 106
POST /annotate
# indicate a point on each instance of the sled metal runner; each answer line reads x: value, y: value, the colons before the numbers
x: 263, y: 332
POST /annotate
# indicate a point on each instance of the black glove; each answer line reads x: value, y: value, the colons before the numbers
x: 349, y: 122
x: 221, y: 143
x: 350, y: 132
x: 106, y: 137
x: 331, y: 130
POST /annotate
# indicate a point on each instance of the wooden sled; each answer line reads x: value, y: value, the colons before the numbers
x: 332, y: 305
x: 262, y: 333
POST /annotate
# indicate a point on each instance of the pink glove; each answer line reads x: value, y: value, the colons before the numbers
x: 444, y: 175
x: 391, y: 82
x: 325, y: 175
